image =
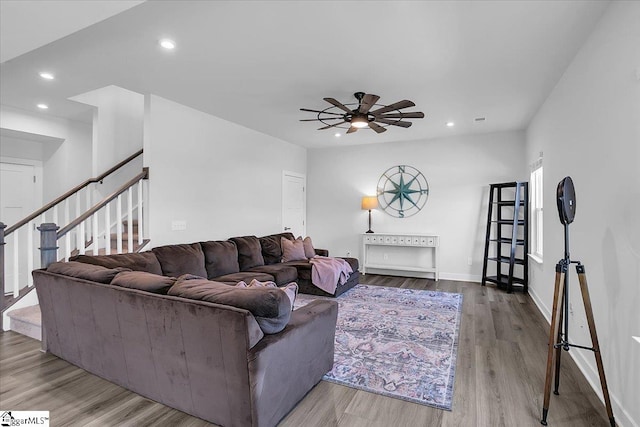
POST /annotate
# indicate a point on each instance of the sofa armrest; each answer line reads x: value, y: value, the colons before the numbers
x: 322, y: 252
x: 283, y: 367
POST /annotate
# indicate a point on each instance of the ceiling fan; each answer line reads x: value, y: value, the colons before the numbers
x: 361, y: 116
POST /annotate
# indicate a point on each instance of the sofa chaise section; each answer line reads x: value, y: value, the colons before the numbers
x: 209, y: 360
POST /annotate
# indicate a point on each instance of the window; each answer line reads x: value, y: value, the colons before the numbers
x: 536, y: 211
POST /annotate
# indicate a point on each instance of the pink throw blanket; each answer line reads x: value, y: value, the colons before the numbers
x: 328, y: 272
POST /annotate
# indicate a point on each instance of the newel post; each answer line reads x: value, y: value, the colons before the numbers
x: 48, y: 244
x: 2, y: 227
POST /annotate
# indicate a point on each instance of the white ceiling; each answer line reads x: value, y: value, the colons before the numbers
x: 257, y: 63
x: 26, y: 25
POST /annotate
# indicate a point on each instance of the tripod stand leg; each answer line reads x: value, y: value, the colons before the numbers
x: 594, y: 340
x: 558, y: 295
x: 556, y: 385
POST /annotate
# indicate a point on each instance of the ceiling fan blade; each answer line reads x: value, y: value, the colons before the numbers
x: 322, y: 112
x: 367, y: 102
x: 377, y: 127
x: 395, y: 106
x: 321, y: 120
x: 393, y: 122
x: 352, y: 129
x: 338, y: 104
x: 333, y: 125
x: 414, y: 115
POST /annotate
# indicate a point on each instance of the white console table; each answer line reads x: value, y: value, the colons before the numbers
x: 416, y: 242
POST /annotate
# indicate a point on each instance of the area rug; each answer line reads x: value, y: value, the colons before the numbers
x: 400, y: 343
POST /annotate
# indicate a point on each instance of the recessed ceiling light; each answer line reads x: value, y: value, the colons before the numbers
x: 47, y: 76
x: 168, y: 44
x: 43, y: 106
x: 337, y: 134
x: 450, y: 124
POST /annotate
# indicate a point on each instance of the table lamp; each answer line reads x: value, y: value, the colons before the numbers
x: 368, y: 203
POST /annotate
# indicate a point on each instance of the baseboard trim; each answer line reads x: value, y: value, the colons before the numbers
x: 458, y: 277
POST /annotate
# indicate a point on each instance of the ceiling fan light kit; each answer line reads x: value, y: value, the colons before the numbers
x: 361, y: 116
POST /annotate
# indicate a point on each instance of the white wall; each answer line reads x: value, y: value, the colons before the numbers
x: 65, y: 164
x: 589, y: 129
x: 117, y: 124
x: 459, y: 171
x: 223, y: 179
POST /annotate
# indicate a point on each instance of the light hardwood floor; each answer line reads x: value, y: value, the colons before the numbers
x: 499, y: 379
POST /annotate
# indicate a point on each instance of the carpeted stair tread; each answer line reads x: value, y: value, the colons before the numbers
x: 30, y: 315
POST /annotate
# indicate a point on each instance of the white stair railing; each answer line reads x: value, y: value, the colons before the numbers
x: 21, y: 256
x: 104, y: 230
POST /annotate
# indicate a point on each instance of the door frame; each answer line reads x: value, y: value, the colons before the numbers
x: 286, y: 173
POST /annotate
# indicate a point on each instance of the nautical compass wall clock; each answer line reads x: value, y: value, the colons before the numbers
x: 402, y: 191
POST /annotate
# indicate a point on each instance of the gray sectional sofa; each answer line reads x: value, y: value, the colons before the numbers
x: 152, y: 323
x: 229, y: 261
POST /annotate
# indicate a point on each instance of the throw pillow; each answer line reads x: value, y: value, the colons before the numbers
x: 291, y: 290
x: 270, y: 307
x: 292, y: 250
x: 144, y: 281
x: 309, y: 251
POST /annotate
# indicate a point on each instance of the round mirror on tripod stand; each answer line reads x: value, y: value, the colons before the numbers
x: 566, y: 199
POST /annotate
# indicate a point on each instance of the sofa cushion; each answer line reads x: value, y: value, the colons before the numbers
x: 353, y: 262
x: 143, y: 261
x: 270, y: 307
x: 144, y: 281
x: 80, y: 270
x: 303, y: 268
x: 177, y: 260
x: 282, y: 274
x: 246, y: 276
x: 220, y: 258
x: 272, y: 247
x: 309, y: 251
x: 292, y: 250
x: 249, y: 252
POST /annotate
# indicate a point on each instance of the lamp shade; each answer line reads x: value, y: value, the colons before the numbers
x: 369, y: 202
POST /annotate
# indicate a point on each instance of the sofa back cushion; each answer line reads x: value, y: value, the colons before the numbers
x: 143, y: 261
x: 249, y: 252
x: 271, y: 247
x: 80, y: 270
x: 220, y: 258
x: 270, y: 307
x: 144, y: 281
x: 177, y: 260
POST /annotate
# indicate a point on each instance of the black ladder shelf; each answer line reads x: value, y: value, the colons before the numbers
x: 509, y: 226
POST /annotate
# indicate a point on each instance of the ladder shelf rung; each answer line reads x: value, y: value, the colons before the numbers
x: 504, y: 280
x: 508, y: 203
x: 506, y: 259
x: 519, y: 242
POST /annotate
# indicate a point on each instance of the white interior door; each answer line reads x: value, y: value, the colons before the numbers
x: 294, y: 203
x: 20, y: 195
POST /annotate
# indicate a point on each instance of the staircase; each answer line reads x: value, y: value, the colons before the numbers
x: 86, y: 232
x: 28, y: 321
